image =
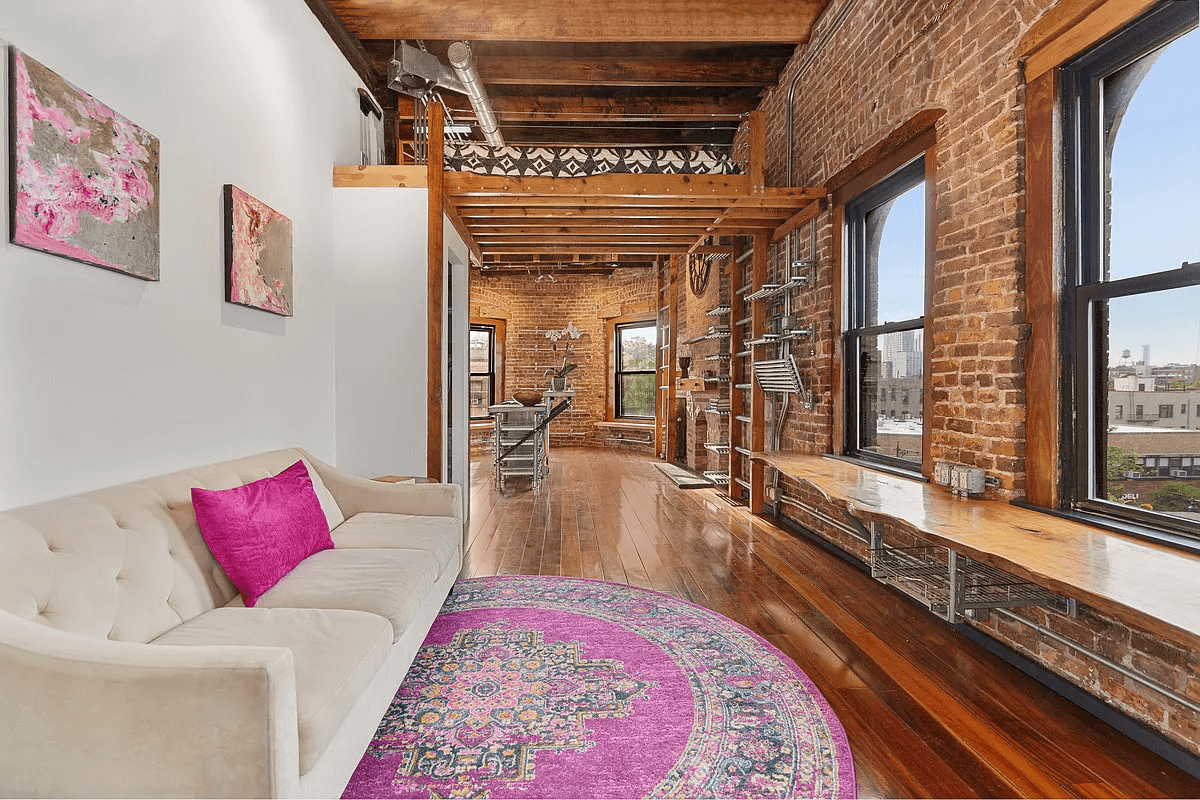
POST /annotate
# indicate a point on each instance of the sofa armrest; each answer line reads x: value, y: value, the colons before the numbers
x: 87, y: 717
x: 354, y: 494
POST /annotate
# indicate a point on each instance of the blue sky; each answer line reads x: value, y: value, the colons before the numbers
x: 902, y: 258
x: 1156, y: 206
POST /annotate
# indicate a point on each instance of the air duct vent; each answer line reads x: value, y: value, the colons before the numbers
x: 416, y: 73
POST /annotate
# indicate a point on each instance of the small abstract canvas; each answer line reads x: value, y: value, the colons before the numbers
x: 84, y: 179
x: 258, y: 254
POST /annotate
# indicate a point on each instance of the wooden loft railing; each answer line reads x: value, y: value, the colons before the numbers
x: 606, y: 216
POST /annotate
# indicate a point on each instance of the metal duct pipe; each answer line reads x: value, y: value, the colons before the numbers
x: 462, y: 59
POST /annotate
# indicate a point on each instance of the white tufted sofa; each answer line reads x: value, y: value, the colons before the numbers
x: 129, y: 667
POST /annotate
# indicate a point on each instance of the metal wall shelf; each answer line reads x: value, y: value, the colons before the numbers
x: 770, y: 290
x: 952, y: 585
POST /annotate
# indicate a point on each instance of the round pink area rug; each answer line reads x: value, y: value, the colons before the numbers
x: 540, y: 687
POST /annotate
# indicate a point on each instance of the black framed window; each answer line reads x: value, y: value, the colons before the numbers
x: 483, y: 369
x: 1131, y: 336
x: 635, y: 370
x: 885, y: 325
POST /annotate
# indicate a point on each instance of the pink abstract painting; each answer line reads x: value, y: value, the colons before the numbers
x: 258, y: 254
x: 84, y: 179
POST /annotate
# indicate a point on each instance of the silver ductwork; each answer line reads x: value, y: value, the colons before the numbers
x: 462, y: 59
x: 417, y: 73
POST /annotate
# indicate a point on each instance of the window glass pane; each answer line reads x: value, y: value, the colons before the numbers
x: 637, y: 396
x: 1153, y: 356
x: 637, y: 348
x: 891, y: 362
x: 1152, y: 118
x: 481, y: 350
x: 895, y: 251
x: 1154, y: 337
x: 480, y: 390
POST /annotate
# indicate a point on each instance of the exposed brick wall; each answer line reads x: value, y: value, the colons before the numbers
x: 883, y: 66
x: 1139, y: 650
x: 531, y: 308
x: 886, y: 63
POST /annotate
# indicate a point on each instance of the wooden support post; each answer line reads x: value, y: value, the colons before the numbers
x: 660, y: 361
x: 436, y: 288
x: 757, y: 127
x: 672, y: 342
x: 758, y: 327
x: 739, y: 373
x: 1043, y: 365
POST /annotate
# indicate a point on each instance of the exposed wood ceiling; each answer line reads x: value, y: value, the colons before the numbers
x: 657, y: 73
x: 582, y: 20
x: 624, y: 73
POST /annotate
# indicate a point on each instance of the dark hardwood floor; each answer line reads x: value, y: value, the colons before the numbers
x: 928, y: 713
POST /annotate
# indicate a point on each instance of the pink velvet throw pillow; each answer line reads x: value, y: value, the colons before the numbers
x: 260, y: 531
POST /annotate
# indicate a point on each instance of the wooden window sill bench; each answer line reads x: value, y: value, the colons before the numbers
x: 1147, y: 584
x: 620, y: 432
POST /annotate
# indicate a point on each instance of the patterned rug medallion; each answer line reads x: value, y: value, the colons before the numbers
x: 560, y: 687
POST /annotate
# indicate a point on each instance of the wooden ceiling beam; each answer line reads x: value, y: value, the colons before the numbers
x: 617, y: 71
x: 558, y: 269
x: 709, y: 189
x: 552, y: 259
x: 517, y: 214
x: 619, y: 133
x: 567, y: 248
x: 465, y: 204
x: 809, y: 212
x: 512, y: 108
x: 507, y: 223
x: 780, y: 197
x: 615, y: 223
x: 575, y: 20
x: 614, y: 185
x: 737, y: 230
x: 577, y: 240
x: 578, y: 228
x: 613, y: 72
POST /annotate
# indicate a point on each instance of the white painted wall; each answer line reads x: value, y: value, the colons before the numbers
x: 105, y: 378
x: 457, y: 324
x: 382, y: 330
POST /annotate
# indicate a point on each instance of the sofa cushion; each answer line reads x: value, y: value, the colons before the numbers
x: 261, y: 530
x: 127, y: 563
x: 336, y: 654
x: 391, y: 583
x: 440, y: 536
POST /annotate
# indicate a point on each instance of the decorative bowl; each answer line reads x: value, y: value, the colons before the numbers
x: 528, y: 397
